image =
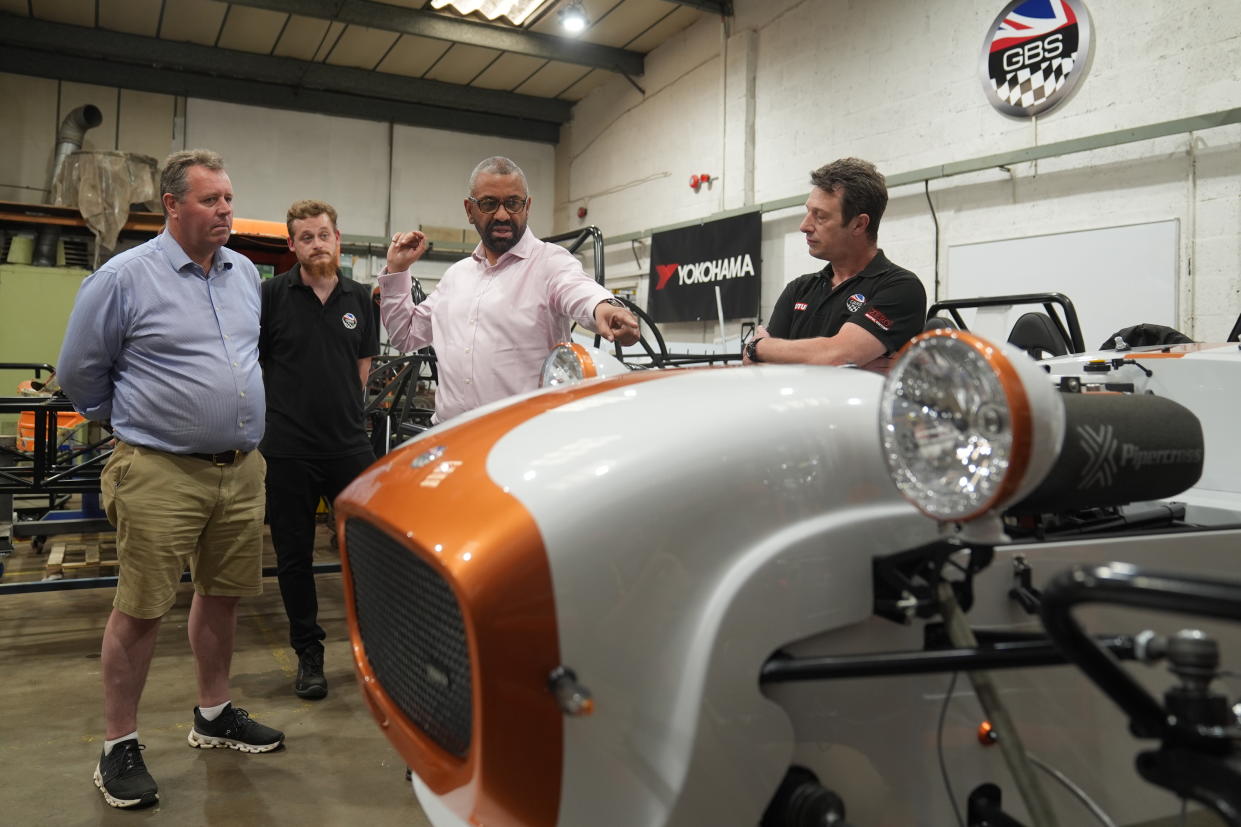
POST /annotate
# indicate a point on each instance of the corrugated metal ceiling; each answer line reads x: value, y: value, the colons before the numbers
x: 519, y: 81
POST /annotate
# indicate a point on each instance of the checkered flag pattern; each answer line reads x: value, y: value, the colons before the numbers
x: 1025, y: 88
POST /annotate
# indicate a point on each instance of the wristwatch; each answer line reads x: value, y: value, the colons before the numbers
x: 751, y: 349
x: 613, y: 301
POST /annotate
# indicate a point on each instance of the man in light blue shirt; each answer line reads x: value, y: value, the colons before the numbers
x: 163, y: 343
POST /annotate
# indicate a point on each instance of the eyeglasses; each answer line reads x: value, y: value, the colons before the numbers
x: 512, y: 204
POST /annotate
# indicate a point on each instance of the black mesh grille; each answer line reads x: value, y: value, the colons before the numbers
x: 414, y: 635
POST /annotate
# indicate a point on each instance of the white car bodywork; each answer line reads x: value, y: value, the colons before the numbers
x: 697, y: 522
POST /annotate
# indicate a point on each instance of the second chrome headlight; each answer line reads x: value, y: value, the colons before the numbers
x: 567, y: 364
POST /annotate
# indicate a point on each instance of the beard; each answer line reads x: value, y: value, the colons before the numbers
x: 322, y: 266
x: 502, y: 244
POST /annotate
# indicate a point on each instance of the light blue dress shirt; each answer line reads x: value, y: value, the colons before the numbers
x: 167, y: 352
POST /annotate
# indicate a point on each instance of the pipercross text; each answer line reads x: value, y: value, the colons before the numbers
x: 705, y: 271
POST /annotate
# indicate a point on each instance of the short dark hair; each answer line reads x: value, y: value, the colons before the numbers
x: 309, y: 209
x: 174, y: 179
x: 862, y: 189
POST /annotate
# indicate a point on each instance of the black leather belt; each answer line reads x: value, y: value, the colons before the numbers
x: 222, y: 458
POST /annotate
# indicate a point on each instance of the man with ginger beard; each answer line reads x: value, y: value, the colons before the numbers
x: 318, y: 335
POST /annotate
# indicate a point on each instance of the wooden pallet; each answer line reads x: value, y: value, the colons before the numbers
x: 67, y: 556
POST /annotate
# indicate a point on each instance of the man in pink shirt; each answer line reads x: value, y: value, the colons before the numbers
x: 495, y: 315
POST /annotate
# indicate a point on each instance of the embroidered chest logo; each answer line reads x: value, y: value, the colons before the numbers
x: 855, y: 302
x: 801, y: 306
x: 349, y: 320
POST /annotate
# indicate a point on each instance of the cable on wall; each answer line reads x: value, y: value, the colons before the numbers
x: 1190, y: 311
x: 926, y: 184
x: 633, y: 248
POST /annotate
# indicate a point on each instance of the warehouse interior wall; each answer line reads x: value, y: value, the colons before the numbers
x: 899, y: 85
x: 756, y: 102
x: 381, y: 177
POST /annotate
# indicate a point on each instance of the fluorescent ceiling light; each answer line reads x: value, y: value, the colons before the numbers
x: 515, y: 10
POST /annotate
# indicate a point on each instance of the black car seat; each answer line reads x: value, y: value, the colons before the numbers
x: 938, y: 323
x: 1037, y: 335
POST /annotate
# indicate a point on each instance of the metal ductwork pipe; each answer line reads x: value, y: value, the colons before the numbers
x: 68, y: 139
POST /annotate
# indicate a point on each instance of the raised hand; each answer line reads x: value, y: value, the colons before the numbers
x: 405, y: 249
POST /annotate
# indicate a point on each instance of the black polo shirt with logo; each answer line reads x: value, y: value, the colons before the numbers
x: 309, y: 351
x: 886, y: 300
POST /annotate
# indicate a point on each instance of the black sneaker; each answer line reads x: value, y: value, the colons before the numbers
x: 310, y: 682
x: 122, y: 777
x: 234, y: 729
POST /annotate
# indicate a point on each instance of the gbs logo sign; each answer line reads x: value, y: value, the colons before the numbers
x: 1033, y: 51
x: 1034, y: 54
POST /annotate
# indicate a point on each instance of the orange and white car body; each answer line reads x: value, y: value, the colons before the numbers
x: 662, y: 534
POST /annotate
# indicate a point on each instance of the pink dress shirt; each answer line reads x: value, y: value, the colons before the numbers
x: 492, y: 325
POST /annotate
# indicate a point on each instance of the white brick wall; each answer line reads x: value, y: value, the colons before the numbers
x: 885, y: 80
x: 629, y: 157
x: 889, y: 81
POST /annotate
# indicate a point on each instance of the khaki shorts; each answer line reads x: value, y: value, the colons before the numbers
x: 171, y: 510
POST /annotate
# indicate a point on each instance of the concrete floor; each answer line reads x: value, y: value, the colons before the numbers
x: 336, y: 767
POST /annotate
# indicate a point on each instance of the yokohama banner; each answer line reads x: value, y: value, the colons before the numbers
x: 687, y: 265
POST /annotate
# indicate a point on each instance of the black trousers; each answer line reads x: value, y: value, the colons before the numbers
x: 294, y: 487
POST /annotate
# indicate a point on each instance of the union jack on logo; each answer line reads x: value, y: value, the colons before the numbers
x: 1033, y: 18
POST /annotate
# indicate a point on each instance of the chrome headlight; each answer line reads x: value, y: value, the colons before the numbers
x: 567, y: 364
x: 570, y: 363
x: 967, y: 427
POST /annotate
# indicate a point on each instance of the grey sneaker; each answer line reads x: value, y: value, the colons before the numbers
x: 234, y: 729
x: 122, y: 777
x: 310, y: 681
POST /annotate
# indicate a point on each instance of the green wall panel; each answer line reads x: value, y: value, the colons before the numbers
x: 34, y: 309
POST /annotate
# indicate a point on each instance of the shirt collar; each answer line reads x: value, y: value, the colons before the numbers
x: 524, y: 248
x: 294, y: 276
x: 178, y: 258
x: 874, y: 267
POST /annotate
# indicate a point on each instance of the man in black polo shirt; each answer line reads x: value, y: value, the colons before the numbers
x: 318, y: 335
x: 860, y: 308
